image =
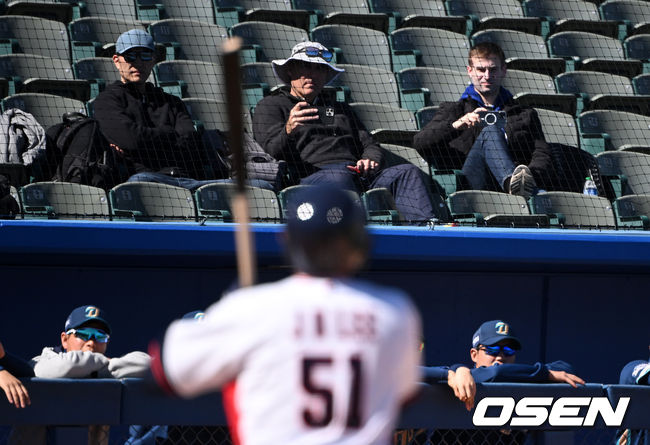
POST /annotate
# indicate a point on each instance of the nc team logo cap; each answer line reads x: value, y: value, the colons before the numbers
x: 135, y: 38
x: 492, y: 332
x: 84, y: 314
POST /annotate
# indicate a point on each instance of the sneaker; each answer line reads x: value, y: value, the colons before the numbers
x: 522, y: 182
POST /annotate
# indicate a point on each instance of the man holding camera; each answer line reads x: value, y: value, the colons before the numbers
x: 496, y: 142
x: 324, y: 142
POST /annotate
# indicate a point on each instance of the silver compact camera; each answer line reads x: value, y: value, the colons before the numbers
x: 497, y: 118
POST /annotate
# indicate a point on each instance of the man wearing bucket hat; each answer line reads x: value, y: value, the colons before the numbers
x: 324, y: 142
x: 150, y: 130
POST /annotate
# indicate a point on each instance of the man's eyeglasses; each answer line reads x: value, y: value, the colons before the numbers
x: 86, y: 334
x: 131, y: 56
x: 312, y: 51
x: 507, y: 351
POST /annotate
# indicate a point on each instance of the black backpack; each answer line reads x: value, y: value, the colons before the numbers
x: 78, y: 152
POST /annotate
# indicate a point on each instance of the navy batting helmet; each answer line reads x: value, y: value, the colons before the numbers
x: 317, y: 215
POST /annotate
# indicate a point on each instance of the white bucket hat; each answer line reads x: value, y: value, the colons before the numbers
x: 300, y: 52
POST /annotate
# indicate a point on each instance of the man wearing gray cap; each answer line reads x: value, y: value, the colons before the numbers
x: 150, y: 129
x: 324, y: 142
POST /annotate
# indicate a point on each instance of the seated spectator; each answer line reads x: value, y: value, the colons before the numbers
x: 151, y: 131
x: 332, y: 147
x: 637, y: 372
x: 10, y: 367
x: 515, y: 159
x: 83, y: 344
x: 493, y: 352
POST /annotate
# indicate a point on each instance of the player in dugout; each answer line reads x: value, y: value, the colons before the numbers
x: 318, y: 357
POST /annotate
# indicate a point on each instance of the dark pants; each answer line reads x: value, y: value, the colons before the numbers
x: 488, y: 155
x: 406, y: 182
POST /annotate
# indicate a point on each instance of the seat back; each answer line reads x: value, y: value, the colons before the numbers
x: 214, y: 202
x: 189, y: 39
x: 191, y: 78
x: 148, y: 201
x: 557, y: 10
x: 482, y: 9
x: 633, y: 167
x: 623, y: 128
x: 515, y: 44
x: 593, y: 83
x: 570, y: 209
x: 486, y: 203
x: 34, y: 35
x: 48, y: 109
x: 585, y: 45
x: 368, y: 84
x: 376, y: 116
x: 435, y: 47
x: 357, y: 45
x: 271, y: 40
x: 64, y: 200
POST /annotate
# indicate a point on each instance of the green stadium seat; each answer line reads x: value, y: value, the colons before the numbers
x: 558, y: 128
x: 598, y: 90
x: 602, y: 130
x: 633, y: 212
x: 214, y: 202
x: 538, y: 91
x: 50, y: 10
x: 429, y: 14
x: 430, y: 47
x: 380, y: 207
x: 116, y: 9
x: 342, y: 12
x: 96, y: 36
x: 213, y: 114
x: 637, y: 47
x: 426, y: 86
x: 634, y: 13
x: 34, y: 35
x: 574, y: 210
x: 266, y: 41
x: 47, y: 109
x: 189, y: 39
x: 641, y: 84
x: 31, y: 73
x: 149, y: 201
x: 258, y: 80
x: 355, y: 45
x: 523, y: 51
x: 493, y: 209
x: 573, y: 15
x: 154, y: 10
x: 368, y: 84
x: 594, y: 52
x: 63, y: 200
x: 424, y: 115
x: 386, y: 124
x: 191, y: 78
x: 505, y: 14
x: 628, y: 173
x: 97, y: 71
x: 231, y: 12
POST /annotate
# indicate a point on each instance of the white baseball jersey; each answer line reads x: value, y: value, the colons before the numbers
x: 304, y: 360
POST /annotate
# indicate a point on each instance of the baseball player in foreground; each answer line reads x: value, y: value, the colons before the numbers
x: 316, y: 358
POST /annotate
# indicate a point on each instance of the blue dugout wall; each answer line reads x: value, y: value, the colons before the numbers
x: 580, y: 296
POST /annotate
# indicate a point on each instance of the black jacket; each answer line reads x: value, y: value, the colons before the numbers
x: 315, y: 144
x: 446, y: 148
x: 154, y: 129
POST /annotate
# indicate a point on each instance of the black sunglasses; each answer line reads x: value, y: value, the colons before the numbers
x: 145, y: 56
x: 312, y: 51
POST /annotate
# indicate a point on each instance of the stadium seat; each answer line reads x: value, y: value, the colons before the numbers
x: 424, y: 115
x: 641, y: 84
x: 58, y: 11
x: 602, y: 130
x: 355, y: 45
x: 342, y: 12
x: 213, y: 202
x: 96, y: 36
x: 597, y: 90
x: 230, y: 12
x: 48, y: 109
x: 633, y: 212
x: 380, y: 207
x: 538, y: 91
x: 368, y: 84
x: 425, y: 86
x: 495, y: 209
x: 637, y: 47
x: 506, y: 14
x: 430, y: 47
x: 523, y: 51
x: 573, y: 15
x: 149, y: 201
x: 628, y: 173
x: 258, y: 80
x: 634, y: 13
x: 386, y: 124
x: 116, y: 9
x: 595, y: 52
x: 98, y: 72
x: 34, y: 35
x: 558, y: 128
x: 266, y: 41
x: 399, y: 154
x: 63, y: 200
x: 191, y: 78
x: 154, y: 10
x: 429, y: 14
x: 189, y: 39
x: 30, y: 73
x: 213, y: 114
x: 574, y: 210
